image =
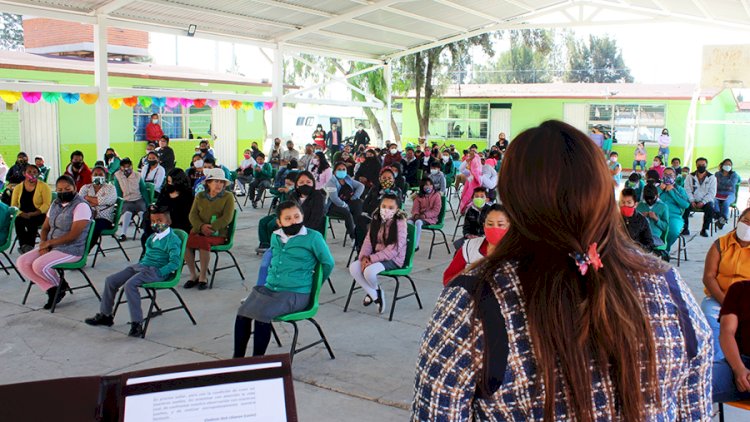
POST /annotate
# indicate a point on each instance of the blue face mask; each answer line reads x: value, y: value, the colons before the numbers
x: 340, y: 174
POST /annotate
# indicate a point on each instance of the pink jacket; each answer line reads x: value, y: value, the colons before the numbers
x: 428, y: 206
x: 395, y: 252
x: 474, y: 181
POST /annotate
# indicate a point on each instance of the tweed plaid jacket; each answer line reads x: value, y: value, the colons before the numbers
x: 450, y: 358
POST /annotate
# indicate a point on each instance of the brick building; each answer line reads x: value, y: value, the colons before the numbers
x: 64, y: 38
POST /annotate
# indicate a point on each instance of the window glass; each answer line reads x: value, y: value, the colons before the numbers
x: 177, y: 123
x: 632, y: 123
x: 461, y: 121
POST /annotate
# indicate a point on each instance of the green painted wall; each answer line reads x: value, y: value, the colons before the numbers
x: 710, y: 139
x: 529, y: 112
x: 736, y: 143
x: 77, y: 122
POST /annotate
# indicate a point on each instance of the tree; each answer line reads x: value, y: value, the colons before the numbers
x: 598, y: 61
x: 11, y: 31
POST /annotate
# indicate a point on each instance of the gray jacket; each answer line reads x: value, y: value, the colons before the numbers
x: 333, y: 186
x: 704, y: 192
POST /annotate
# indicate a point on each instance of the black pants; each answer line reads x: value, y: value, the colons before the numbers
x: 257, y: 187
x: 708, y: 215
x: 242, y: 332
x: 347, y: 214
x: 100, y: 224
x: 27, y: 228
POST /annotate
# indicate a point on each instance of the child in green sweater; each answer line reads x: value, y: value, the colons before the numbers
x: 162, y: 258
x: 296, y: 251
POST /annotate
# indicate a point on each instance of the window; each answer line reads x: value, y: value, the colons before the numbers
x: 177, y: 123
x: 461, y: 121
x: 300, y: 121
x: 632, y: 123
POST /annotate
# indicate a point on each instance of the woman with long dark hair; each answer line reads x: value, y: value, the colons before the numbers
x: 321, y: 169
x: 177, y: 198
x: 567, y: 319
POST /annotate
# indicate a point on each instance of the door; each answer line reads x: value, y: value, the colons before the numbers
x: 40, y: 134
x: 224, y: 128
x: 575, y: 114
x: 499, y: 122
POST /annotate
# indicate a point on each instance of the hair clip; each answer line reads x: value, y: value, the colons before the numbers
x: 588, y: 259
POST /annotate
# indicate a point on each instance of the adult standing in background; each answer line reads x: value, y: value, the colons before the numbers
x: 166, y: 154
x: 361, y: 137
x: 153, y: 129
x: 319, y: 136
x: 664, y: 141
x: 333, y: 139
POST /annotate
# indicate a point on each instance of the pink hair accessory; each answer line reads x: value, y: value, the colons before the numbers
x: 588, y: 259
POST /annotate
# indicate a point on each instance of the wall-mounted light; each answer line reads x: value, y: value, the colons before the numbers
x: 191, y: 30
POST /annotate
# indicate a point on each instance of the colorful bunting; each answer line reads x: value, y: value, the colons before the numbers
x: 224, y: 103
x: 89, y: 98
x: 159, y: 101
x: 186, y: 102
x: 246, y: 105
x: 199, y: 102
x: 172, y: 102
x: 145, y: 101
x: 258, y: 105
x: 268, y: 105
x: 71, y: 97
x: 51, y: 97
x: 32, y: 97
x: 212, y: 103
x: 10, y: 97
x: 130, y: 101
x: 115, y: 103
x: 236, y: 104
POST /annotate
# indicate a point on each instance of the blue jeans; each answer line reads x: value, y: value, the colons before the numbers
x: 641, y: 163
x: 721, y: 206
x: 664, y: 152
x: 724, y: 388
x: 711, y: 308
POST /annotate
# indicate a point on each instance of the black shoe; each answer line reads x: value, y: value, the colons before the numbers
x: 381, y: 301
x: 100, y: 319
x: 416, y: 249
x: 136, y: 329
x: 203, y: 285
x: 255, y: 204
x: 190, y: 284
x: 704, y: 233
x: 51, y: 296
x: 123, y: 238
x: 685, y: 232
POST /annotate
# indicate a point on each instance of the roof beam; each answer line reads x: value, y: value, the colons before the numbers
x: 334, y: 53
x: 521, y: 5
x: 112, y: 6
x: 337, y: 19
x: 425, y: 19
x: 222, y: 14
x: 361, y: 40
x: 46, y: 87
x: 46, y: 12
x: 702, y: 7
x: 294, y: 7
x: 746, y: 5
x: 392, y: 30
x: 468, y: 10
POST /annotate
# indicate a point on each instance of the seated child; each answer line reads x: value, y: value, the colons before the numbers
x: 426, y: 208
x: 635, y: 223
x: 474, y: 217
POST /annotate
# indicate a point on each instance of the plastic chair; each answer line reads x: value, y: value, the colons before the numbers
x: 438, y: 228
x: 745, y: 405
x: 233, y: 180
x: 734, y: 212
x: 309, y: 315
x: 78, y: 265
x: 404, y: 271
x: 325, y: 228
x: 169, y: 284
x: 44, y: 175
x: 681, y: 249
x: 331, y: 219
x: 111, y: 232
x: 227, y: 247
x: 6, y: 245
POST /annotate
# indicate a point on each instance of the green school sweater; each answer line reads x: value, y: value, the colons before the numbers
x: 265, y: 173
x: 163, y: 254
x: 294, y: 262
x: 660, y: 209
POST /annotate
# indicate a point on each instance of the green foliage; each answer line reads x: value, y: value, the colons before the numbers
x: 599, y: 60
x: 11, y: 31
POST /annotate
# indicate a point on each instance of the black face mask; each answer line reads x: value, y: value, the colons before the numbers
x: 701, y: 169
x: 66, y: 197
x: 204, y: 149
x: 110, y: 156
x: 292, y: 230
x: 152, y: 162
x: 305, y: 190
x: 170, y: 188
x: 77, y: 164
x: 651, y: 200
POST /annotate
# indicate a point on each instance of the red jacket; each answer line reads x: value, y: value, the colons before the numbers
x: 153, y: 132
x: 82, y: 177
x: 390, y: 159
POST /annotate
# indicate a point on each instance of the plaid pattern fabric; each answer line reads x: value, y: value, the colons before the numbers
x: 450, y: 359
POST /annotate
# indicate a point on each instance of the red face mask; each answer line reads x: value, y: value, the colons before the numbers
x: 494, y: 234
x: 627, y: 211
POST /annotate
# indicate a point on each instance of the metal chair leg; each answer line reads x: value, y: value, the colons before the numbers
x: 88, y: 280
x: 416, y: 293
x: 275, y: 336
x: 28, y: 290
x: 330, y: 284
x: 351, y: 292
x: 432, y: 244
x: 213, y: 273
x: 147, y: 320
x: 395, y: 299
x: 293, y: 349
x: 323, y: 337
x: 182, y: 303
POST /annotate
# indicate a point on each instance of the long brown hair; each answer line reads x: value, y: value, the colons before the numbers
x: 559, y: 199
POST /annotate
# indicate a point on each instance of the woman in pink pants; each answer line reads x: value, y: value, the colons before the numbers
x: 63, y: 239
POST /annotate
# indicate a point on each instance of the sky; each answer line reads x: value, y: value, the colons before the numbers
x: 661, y: 53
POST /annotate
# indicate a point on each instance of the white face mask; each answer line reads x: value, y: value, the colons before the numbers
x: 154, y: 121
x: 743, y: 232
x: 727, y: 168
x: 434, y: 171
x: 613, y: 159
x: 387, y: 213
x: 394, y: 150
x: 446, y: 158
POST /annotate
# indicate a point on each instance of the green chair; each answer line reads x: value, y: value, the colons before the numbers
x: 5, y: 247
x: 404, y: 271
x: 438, y: 228
x: 232, y: 181
x: 734, y: 211
x: 325, y: 228
x: 137, y: 220
x: 309, y: 315
x: 169, y: 284
x: 227, y: 247
x: 151, y: 188
x: 681, y: 249
x: 265, y: 191
x: 111, y: 232
x: 78, y: 265
x: 44, y: 175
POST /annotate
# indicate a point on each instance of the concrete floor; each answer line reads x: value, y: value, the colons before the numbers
x: 370, y: 379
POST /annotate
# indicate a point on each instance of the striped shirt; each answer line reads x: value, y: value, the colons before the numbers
x: 450, y: 359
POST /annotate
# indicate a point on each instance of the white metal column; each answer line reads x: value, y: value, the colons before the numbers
x: 388, y: 133
x: 40, y: 134
x: 102, y: 84
x: 277, y: 81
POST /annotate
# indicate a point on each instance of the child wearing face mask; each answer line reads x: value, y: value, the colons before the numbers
x: 635, y: 223
x: 383, y: 248
x: 474, y: 217
x: 295, y: 252
x: 437, y: 177
x: 426, y: 208
x: 496, y: 225
x: 656, y: 212
x: 615, y: 168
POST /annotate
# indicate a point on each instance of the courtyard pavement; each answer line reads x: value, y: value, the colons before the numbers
x: 371, y: 378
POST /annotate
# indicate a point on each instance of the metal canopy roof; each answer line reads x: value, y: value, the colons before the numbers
x: 374, y: 30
